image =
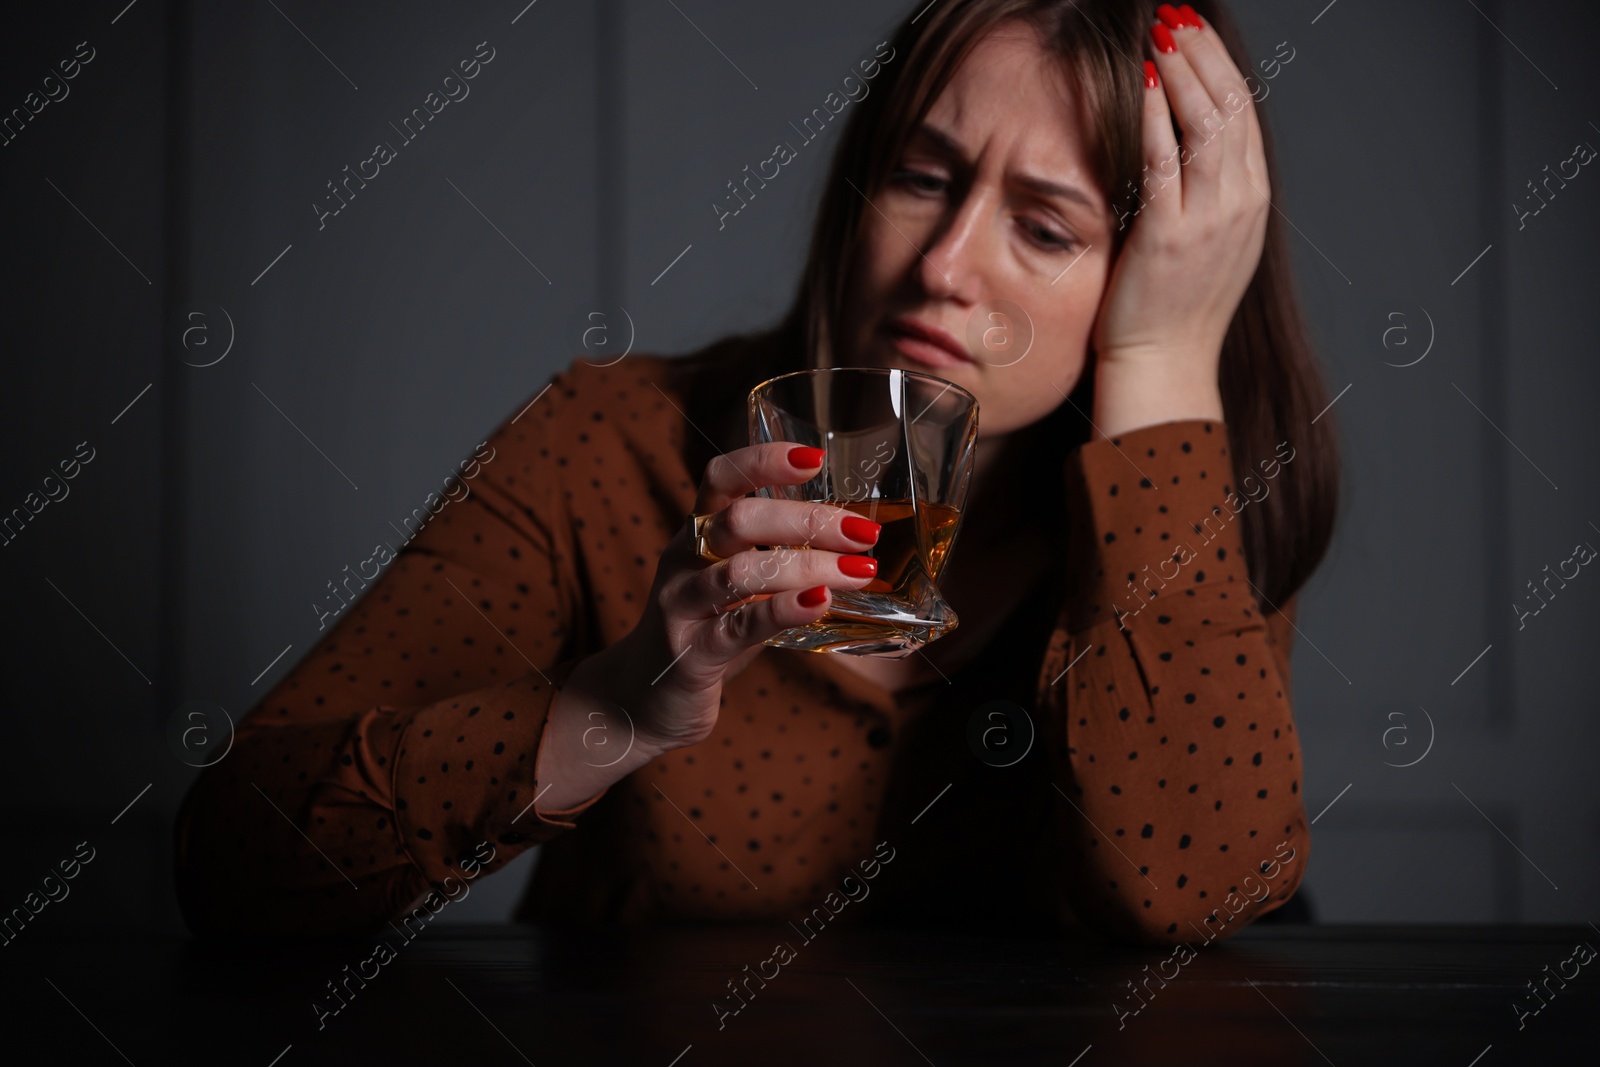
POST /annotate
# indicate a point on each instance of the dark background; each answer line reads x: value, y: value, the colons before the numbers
x: 378, y: 351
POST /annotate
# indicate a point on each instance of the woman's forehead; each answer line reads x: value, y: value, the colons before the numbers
x: 1009, y: 74
x: 1011, y: 93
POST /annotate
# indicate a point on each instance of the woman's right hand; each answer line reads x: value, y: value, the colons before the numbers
x: 705, y: 621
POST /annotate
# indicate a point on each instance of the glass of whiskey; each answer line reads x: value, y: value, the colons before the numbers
x: 898, y: 450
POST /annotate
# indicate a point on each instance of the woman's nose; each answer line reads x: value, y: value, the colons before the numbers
x: 952, y: 265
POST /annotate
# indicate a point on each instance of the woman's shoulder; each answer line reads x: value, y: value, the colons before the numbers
x: 585, y: 400
x: 653, y: 397
x: 584, y: 385
x: 658, y: 415
x: 593, y: 433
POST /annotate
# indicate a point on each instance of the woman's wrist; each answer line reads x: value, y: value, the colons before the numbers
x: 1132, y: 394
x: 592, y: 739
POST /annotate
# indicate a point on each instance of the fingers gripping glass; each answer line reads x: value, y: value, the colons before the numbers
x: 898, y: 451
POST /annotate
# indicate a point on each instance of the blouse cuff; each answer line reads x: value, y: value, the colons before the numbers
x: 464, y: 773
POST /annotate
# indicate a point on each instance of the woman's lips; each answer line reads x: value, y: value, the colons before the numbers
x: 926, y: 343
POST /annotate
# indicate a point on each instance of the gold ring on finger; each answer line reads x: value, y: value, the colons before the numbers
x: 699, y: 528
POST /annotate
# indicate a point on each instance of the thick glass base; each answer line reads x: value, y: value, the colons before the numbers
x: 878, y: 626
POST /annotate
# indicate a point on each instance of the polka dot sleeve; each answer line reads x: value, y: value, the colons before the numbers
x: 1171, y: 734
x: 408, y: 734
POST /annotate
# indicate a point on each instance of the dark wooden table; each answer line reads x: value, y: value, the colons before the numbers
x: 1279, y: 995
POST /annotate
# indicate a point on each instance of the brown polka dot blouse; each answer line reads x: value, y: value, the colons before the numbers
x: 1159, y: 796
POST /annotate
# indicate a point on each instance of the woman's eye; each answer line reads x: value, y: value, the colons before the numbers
x: 1046, y: 236
x: 920, y: 181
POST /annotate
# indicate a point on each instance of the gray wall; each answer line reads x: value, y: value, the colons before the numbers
x: 380, y: 348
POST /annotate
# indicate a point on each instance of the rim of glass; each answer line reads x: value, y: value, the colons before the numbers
x: 868, y: 370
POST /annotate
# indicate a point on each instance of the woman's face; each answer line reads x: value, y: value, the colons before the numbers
x: 972, y: 261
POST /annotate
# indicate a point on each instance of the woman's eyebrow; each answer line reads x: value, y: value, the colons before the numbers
x: 1033, y: 183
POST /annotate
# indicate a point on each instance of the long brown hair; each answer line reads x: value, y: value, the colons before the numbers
x: 1272, y: 389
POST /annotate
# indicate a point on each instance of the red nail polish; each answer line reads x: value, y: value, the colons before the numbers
x: 858, y: 566
x: 1191, y: 17
x: 804, y: 457
x: 810, y: 598
x: 1170, y: 15
x: 1163, y: 38
x: 858, y: 529
x: 1150, y: 79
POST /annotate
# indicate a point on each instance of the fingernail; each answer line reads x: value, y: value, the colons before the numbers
x: 1163, y: 38
x: 1169, y: 14
x: 858, y: 529
x: 1150, y: 79
x: 810, y: 598
x: 804, y: 457
x: 858, y: 566
x: 1191, y: 17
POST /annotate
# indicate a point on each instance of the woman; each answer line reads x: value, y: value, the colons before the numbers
x: 552, y: 661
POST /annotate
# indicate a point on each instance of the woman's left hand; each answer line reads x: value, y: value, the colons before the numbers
x: 1195, y: 241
